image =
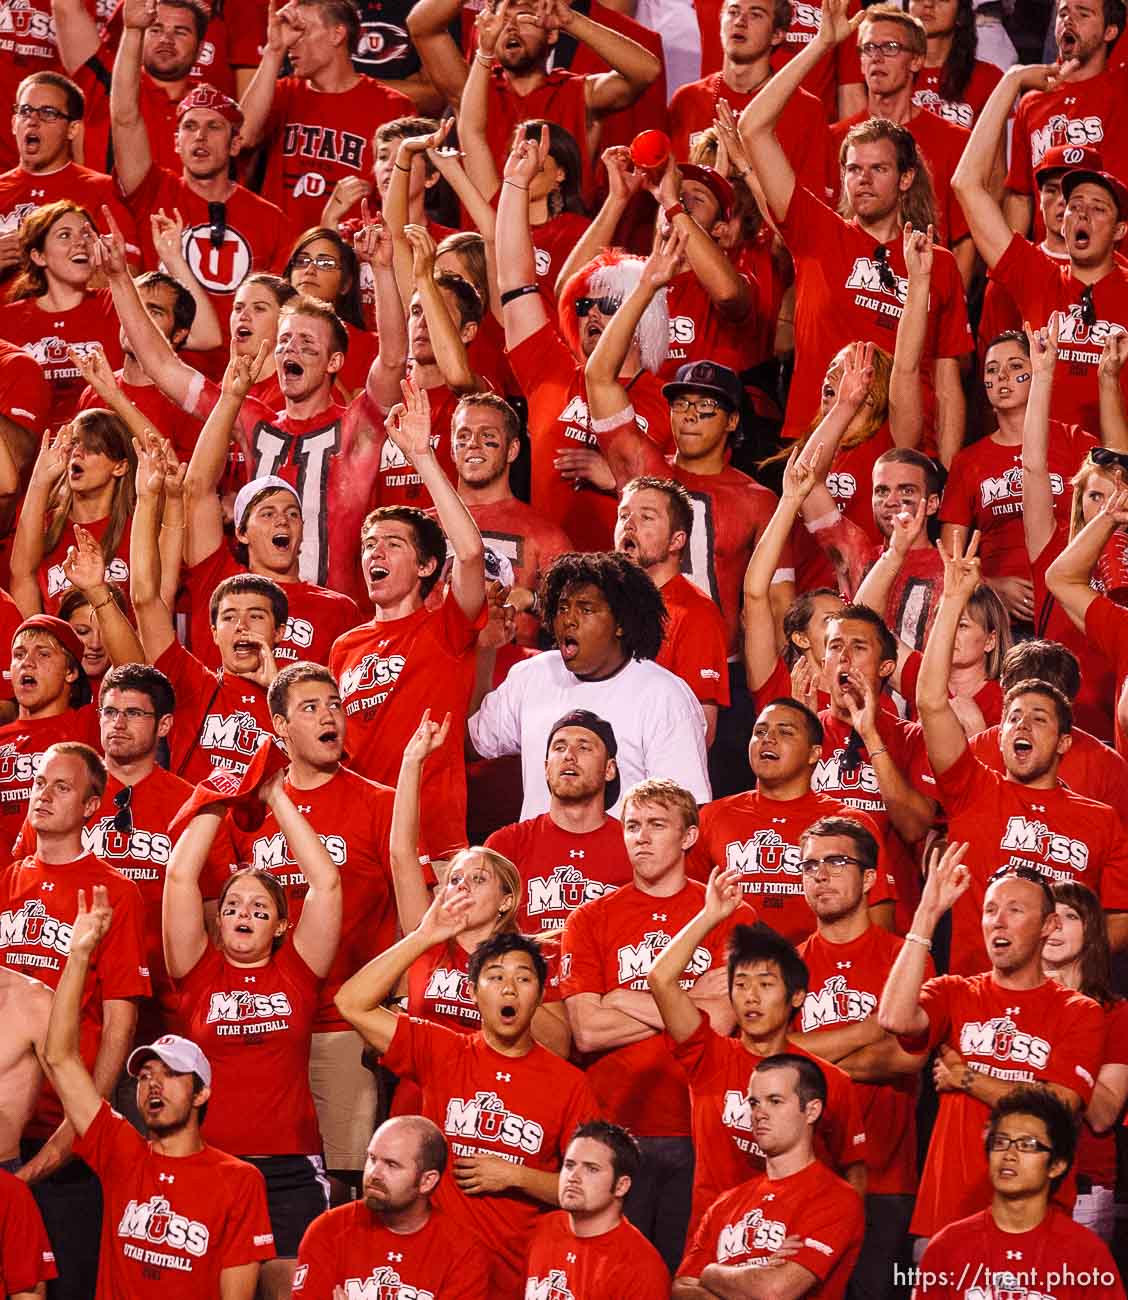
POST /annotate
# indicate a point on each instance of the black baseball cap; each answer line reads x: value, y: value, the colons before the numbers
x: 707, y: 377
x: 598, y: 727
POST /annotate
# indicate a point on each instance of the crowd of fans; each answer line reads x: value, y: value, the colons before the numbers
x: 565, y: 566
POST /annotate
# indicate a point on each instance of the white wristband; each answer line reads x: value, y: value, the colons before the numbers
x: 828, y: 520
x: 919, y: 938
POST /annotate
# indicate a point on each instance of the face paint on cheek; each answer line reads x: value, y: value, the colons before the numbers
x: 988, y: 384
x: 1022, y: 379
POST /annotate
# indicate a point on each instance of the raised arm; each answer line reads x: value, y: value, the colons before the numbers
x: 168, y: 239
x: 95, y: 370
x: 428, y: 25
x: 633, y: 67
x: 183, y: 930
x: 373, y: 244
x: 451, y: 355
x: 899, y: 1011
x: 412, y: 896
x: 624, y: 181
x: 27, y: 545
x: 396, y: 205
x: 85, y: 569
x: 679, y: 1012
x: 283, y: 28
x: 360, y: 999
x: 318, y: 930
x: 1038, y: 521
x: 757, y: 122
x: 65, y: 1066
x: 525, y: 313
x: 132, y: 154
x: 878, y: 583
x: 409, y: 427
x: 154, y: 618
x: 906, y: 422
x: 473, y: 110
x: 1114, y: 422
x: 76, y: 33
x: 943, y: 735
x: 971, y: 180
x: 1068, y: 576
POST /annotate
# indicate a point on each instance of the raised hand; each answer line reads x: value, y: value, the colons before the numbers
x: 242, y: 372
x: 428, y: 739
x: 857, y: 376
x: 489, y: 25
x: 667, y: 258
x: 408, y: 423
x: 623, y: 178
x: 266, y: 670
x: 150, y: 465
x: 805, y: 683
x: 722, y: 894
x: 501, y: 617
x: 84, y: 565
x: 907, y: 527
x: 174, y: 472
x: 803, y: 471
x: 372, y: 243
x: 555, y: 15
x: 139, y: 14
x: 526, y: 159
x: 918, y: 245
x: 1116, y: 506
x: 94, y: 367
x: 861, y: 703
x: 90, y: 926
x: 947, y: 880
x: 283, y: 27
x: 1044, y: 347
x: 448, y: 915
x: 168, y: 236
x: 107, y: 252
x: 1113, y: 356
x: 961, y: 572
x: 728, y: 140
x: 347, y: 192
x: 422, y: 252
x: 834, y: 25
x: 54, y: 456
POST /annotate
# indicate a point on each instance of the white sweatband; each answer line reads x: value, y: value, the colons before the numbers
x: 828, y: 520
x: 612, y: 422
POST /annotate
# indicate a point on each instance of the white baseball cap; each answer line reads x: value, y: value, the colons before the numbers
x: 249, y: 491
x: 180, y: 1055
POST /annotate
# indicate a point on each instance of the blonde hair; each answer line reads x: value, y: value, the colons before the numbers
x: 916, y: 35
x: 102, y: 431
x: 1080, y: 481
x: 666, y: 794
x: 508, y: 877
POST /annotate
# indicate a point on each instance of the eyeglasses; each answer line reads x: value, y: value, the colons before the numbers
x: 123, y: 818
x: 111, y: 714
x: 1088, y: 311
x: 835, y: 863
x: 1027, y: 1145
x: 702, y: 406
x: 884, y: 49
x: 43, y: 114
x: 605, y: 306
x: 322, y: 261
x: 884, y: 270
x: 1104, y: 456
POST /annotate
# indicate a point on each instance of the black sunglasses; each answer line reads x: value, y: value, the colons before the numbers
x: 884, y: 270
x: 1104, y: 456
x: 217, y: 219
x: 123, y: 818
x: 1023, y: 873
x: 607, y: 306
x: 1088, y: 311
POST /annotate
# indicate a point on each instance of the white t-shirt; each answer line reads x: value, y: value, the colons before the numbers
x: 658, y: 723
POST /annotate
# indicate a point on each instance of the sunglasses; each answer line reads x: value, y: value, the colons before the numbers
x: 217, y: 220
x: 1088, y: 311
x: 1032, y: 874
x: 884, y: 270
x: 123, y: 817
x: 605, y: 306
x: 1104, y: 457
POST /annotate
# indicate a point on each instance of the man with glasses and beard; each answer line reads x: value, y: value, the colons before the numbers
x: 182, y: 1219
x: 1025, y: 815
x: 394, y: 1239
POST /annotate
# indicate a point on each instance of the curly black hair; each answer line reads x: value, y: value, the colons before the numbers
x: 636, y: 603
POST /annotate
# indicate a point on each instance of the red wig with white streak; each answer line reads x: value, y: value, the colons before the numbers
x: 615, y: 274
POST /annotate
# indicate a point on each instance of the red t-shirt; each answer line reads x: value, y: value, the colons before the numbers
x: 695, y: 647
x: 888, y: 1110
x: 389, y: 673
x: 220, y: 718
x: 719, y: 1070
x: 750, y: 1223
x: 313, y: 140
x: 553, y: 383
x: 552, y: 242
x: 324, y: 457
x: 560, y: 98
x: 610, y: 1266
x: 965, y: 110
x: 1059, y: 833
x: 561, y: 869
x: 21, y: 192
x: 1104, y: 625
x: 1096, y: 1152
x: 317, y: 616
x: 257, y: 235
x: 984, y: 491
x: 48, y: 334
x: 397, y: 480
x: 1046, y: 1034
x: 1058, y: 1258
x: 350, y: 1248
x: 523, y: 1108
x: 26, y: 1258
x: 611, y: 943
x: 760, y: 837
x: 801, y: 127
x: 699, y: 331
x: 22, y: 746
x: 254, y: 1026
x: 353, y: 818
x: 839, y: 298
x: 1044, y: 289
x: 54, y: 583
x: 38, y: 905
x: 171, y: 1224
x: 180, y: 428
x: 988, y: 699
x: 25, y: 397
x: 941, y: 144
x: 529, y: 541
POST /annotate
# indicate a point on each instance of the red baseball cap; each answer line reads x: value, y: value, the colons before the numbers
x: 205, y: 96
x: 238, y: 792
x: 718, y: 185
x: 1106, y: 180
x: 1064, y: 157
x: 60, y: 629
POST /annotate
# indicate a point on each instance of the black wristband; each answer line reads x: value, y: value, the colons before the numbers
x: 510, y: 294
